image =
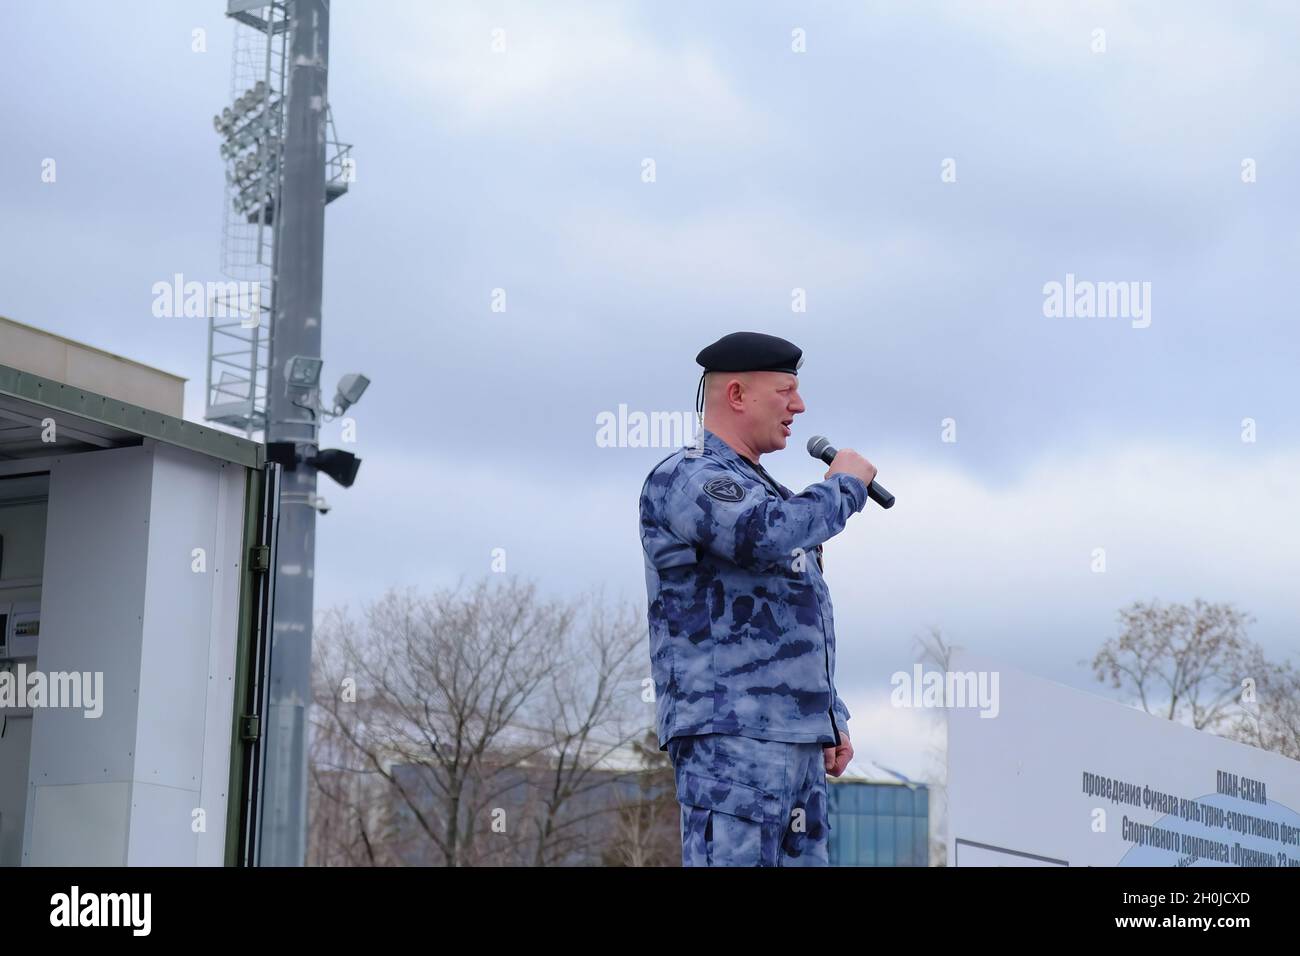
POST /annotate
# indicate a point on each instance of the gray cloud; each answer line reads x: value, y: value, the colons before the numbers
x: 775, y: 171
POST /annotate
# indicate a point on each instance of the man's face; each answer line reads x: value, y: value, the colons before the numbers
x: 771, y: 403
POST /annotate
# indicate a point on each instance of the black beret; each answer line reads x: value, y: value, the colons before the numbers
x: 751, y: 352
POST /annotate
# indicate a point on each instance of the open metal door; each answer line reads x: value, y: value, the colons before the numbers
x: 248, y: 759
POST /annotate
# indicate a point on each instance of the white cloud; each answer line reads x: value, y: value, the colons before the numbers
x: 1003, y: 570
x: 1167, y: 517
x: 744, y: 248
x: 571, y: 70
x: 1008, y: 572
x: 907, y: 740
x: 1173, y: 70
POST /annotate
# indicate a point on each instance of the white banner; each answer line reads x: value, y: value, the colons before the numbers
x: 1045, y: 775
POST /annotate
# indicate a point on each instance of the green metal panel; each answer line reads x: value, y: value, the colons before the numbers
x: 247, y: 614
x: 144, y: 422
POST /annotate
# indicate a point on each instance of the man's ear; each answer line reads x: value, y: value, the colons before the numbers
x: 736, y: 393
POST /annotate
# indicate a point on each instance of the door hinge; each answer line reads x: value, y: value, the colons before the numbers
x: 250, y: 728
x: 259, y: 558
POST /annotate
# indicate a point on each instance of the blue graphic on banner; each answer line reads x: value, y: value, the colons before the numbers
x: 1242, y: 848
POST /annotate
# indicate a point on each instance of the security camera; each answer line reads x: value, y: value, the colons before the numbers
x: 351, y: 387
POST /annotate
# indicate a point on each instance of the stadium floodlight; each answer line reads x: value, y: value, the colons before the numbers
x: 302, y: 371
x: 349, y: 392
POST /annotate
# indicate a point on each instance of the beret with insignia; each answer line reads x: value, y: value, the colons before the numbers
x: 747, y: 352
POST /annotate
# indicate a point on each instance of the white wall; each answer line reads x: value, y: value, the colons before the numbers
x: 92, y: 606
x: 187, y: 672
x: 120, y: 596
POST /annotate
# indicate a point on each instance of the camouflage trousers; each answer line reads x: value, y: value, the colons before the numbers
x: 747, y: 802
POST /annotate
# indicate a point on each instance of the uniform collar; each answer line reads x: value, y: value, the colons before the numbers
x: 720, y: 447
x: 726, y: 452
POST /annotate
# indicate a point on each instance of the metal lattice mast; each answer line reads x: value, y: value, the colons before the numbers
x: 283, y: 166
x: 239, y: 332
x: 240, y: 320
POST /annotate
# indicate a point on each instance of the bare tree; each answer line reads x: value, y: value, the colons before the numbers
x: 486, y: 718
x: 1269, y: 712
x: 349, y: 823
x: 438, y: 682
x: 1197, y: 666
x: 591, y: 712
x: 648, y: 830
x: 934, y: 649
x: 1183, y: 663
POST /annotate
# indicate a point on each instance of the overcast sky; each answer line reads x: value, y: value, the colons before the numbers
x: 775, y: 170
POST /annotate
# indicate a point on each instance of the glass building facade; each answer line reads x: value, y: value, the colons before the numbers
x: 879, y: 824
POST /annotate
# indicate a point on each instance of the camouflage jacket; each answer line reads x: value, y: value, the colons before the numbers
x: 742, y: 637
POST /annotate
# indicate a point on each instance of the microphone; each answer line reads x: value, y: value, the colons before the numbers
x: 819, y: 446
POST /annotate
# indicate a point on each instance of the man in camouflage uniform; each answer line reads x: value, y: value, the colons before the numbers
x: 742, y: 637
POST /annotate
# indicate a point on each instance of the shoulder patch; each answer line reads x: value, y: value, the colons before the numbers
x: 724, y: 488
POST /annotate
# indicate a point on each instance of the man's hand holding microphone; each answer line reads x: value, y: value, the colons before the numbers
x: 849, y: 462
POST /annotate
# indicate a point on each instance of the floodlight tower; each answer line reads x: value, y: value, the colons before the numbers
x: 283, y: 166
